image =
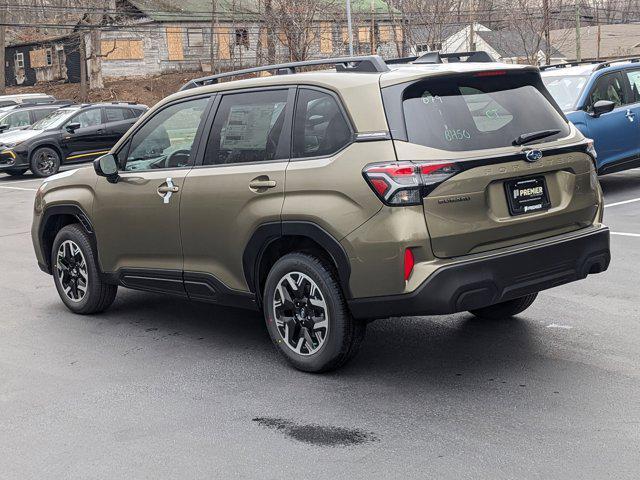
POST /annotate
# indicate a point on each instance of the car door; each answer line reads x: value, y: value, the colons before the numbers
x: 137, y: 219
x: 614, y: 133
x: 238, y: 186
x: 86, y: 142
x: 632, y: 78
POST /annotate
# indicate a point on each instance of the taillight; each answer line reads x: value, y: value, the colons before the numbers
x: 406, y: 183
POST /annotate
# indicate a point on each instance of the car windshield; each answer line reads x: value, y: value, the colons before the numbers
x: 565, y: 90
x: 54, y: 120
x: 479, y: 111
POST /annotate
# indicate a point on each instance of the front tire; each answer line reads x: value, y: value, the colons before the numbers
x: 45, y: 161
x: 506, y: 309
x: 307, y: 315
x: 75, y: 273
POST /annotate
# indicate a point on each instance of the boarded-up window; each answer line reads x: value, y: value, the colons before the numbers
x: 363, y: 34
x: 174, y: 43
x: 399, y: 34
x: 283, y: 38
x: 385, y: 33
x: 224, y: 50
x: 38, y: 58
x: 326, y: 37
x: 122, y: 49
x: 195, y: 37
x: 264, y: 38
x: 345, y: 35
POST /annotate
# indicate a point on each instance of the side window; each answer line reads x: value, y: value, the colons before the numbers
x: 17, y: 119
x: 608, y: 87
x: 87, y: 118
x: 319, y: 126
x: 165, y: 140
x: 247, y: 128
x: 41, y: 113
x: 634, y: 84
x: 115, y: 114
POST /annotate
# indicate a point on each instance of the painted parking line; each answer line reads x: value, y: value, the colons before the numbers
x: 19, y: 188
x: 17, y: 182
x: 624, y: 202
x: 624, y: 234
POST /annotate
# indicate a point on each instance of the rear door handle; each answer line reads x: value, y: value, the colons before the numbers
x: 259, y: 184
x: 630, y: 115
x: 100, y: 132
x: 168, y: 189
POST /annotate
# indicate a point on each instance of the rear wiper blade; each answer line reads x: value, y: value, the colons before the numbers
x: 531, y: 136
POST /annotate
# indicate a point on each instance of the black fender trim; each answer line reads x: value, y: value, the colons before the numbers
x: 65, y: 209
x: 267, y: 233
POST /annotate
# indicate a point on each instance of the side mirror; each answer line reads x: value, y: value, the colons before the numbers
x: 107, y: 166
x: 602, y: 106
x: 72, y: 127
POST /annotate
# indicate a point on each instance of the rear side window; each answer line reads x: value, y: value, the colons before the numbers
x: 478, y: 112
x: 320, y: 127
x: 40, y: 113
x: 248, y: 127
x: 634, y: 82
x: 133, y: 112
x: 115, y: 114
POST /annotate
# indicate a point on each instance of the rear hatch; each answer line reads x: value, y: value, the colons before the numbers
x: 513, y: 169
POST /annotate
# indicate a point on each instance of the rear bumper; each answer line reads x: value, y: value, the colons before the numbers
x: 477, y: 282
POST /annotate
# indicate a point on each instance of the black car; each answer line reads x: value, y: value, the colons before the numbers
x: 71, y: 134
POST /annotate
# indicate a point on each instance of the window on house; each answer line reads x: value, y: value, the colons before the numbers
x: 19, y: 60
x: 242, y: 37
x: 49, y: 55
x: 195, y: 37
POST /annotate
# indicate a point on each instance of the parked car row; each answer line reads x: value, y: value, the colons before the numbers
x: 602, y: 99
x: 42, y: 137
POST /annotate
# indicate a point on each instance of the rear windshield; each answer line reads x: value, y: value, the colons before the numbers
x: 565, y: 90
x: 479, y: 111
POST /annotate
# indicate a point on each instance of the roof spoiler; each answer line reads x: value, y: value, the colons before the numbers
x: 437, y: 57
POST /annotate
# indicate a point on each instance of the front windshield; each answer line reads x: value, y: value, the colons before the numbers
x: 565, y: 90
x: 54, y: 120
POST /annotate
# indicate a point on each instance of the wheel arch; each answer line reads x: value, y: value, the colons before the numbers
x: 272, y: 240
x: 48, y: 144
x: 56, y: 217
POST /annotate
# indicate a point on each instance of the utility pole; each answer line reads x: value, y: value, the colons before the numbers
x: 578, y: 50
x: 547, y: 39
x: 373, y: 31
x: 598, y: 34
x: 84, y: 87
x: 349, y: 31
x: 3, y: 21
x: 214, y: 44
x: 271, y: 46
x: 472, y: 32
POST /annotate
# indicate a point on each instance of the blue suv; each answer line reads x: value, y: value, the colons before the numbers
x: 602, y: 99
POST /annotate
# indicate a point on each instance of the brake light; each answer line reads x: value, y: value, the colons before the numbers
x: 409, y: 262
x: 490, y: 73
x: 406, y: 183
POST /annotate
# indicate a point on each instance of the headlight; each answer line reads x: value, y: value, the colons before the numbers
x: 10, y: 145
x: 591, y: 149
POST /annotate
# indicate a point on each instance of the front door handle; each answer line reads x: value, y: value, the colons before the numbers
x: 167, y: 189
x: 100, y: 132
x: 262, y: 183
x: 630, y: 115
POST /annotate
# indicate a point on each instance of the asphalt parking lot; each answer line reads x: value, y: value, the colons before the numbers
x: 162, y: 388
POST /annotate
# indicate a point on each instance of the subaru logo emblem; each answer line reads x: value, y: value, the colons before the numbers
x: 533, y: 155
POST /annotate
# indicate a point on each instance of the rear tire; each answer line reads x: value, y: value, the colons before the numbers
x: 75, y: 273
x: 506, y: 309
x: 15, y: 172
x: 45, y: 161
x: 307, y: 316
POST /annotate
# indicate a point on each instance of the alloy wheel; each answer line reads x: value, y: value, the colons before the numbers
x: 300, y: 313
x: 46, y: 161
x: 72, y: 271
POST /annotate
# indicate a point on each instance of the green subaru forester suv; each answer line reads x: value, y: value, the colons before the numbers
x: 327, y: 199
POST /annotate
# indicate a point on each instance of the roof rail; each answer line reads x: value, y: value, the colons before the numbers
x: 437, y: 57
x: 366, y: 63
x: 569, y: 64
x: 610, y: 62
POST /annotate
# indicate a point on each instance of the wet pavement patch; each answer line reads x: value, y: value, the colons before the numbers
x: 320, y: 435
